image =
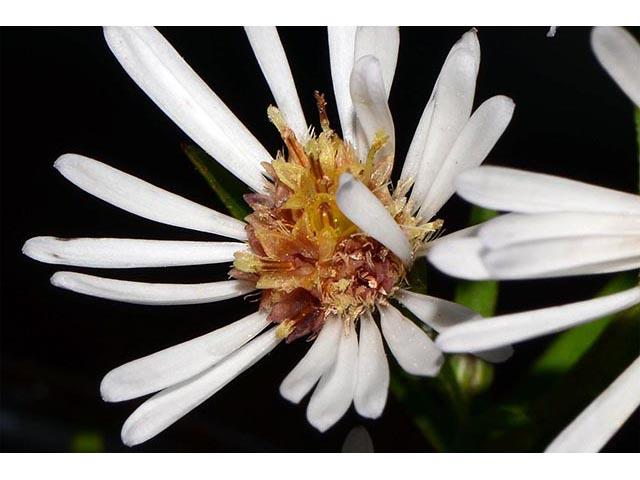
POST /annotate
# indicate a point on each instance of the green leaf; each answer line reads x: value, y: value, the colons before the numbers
x: 479, y: 215
x: 479, y: 296
x: 228, y: 188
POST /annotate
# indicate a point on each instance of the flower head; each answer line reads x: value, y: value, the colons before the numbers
x: 328, y: 243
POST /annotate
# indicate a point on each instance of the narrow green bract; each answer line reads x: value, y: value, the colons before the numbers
x: 227, y: 187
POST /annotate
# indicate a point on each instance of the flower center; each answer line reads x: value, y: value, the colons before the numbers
x: 308, y: 259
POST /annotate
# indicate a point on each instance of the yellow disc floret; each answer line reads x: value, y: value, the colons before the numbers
x: 308, y: 259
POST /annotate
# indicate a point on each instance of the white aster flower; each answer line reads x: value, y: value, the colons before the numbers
x: 328, y: 243
x: 558, y: 227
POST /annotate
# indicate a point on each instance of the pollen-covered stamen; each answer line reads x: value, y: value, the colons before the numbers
x: 308, y: 259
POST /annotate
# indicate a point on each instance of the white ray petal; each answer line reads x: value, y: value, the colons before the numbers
x: 363, y: 208
x: 370, y: 103
x: 383, y: 43
x: 411, y: 346
x: 150, y: 293
x: 506, y: 329
x: 436, y: 313
x: 559, y: 257
x: 619, y: 54
x: 272, y: 59
x: 165, y: 408
x: 478, y: 137
x: 519, y: 228
x: 373, y: 370
x: 168, y: 80
x: 459, y: 257
x: 593, y: 428
x: 441, y: 314
x: 143, y: 199
x: 342, y: 41
x: 178, y: 363
x: 315, y: 363
x: 453, y: 100
x: 512, y: 190
x: 413, y: 159
x: 128, y: 252
x: 334, y: 393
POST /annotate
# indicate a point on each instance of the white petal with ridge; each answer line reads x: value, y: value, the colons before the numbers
x: 373, y: 370
x: 411, y: 346
x: 128, y: 252
x: 619, y: 54
x: 178, y: 363
x: 507, y: 329
x: 315, y: 363
x: 151, y: 293
x: 334, y: 393
x: 507, y: 189
x: 370, y: 103
x: 342, y: 41
x: 173, y: 86
x: 143, y: 199
x: 272, y: 59
x: 170, y: 405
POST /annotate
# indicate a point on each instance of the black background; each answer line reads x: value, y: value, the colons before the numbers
x: 63, y: 91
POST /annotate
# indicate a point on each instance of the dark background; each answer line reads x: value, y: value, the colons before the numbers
x: 63, y: 91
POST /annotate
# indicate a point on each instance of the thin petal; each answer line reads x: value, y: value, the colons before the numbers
x: 373, y: 371
x: 143, y: 199
x: 441, y: 314
x: 478, y: 137
x: 128, y: 252
x: 506, y: 329
x: 520, y: 228
x: 564, y: 256
x: 453, y: 100
x: 619, y: 54
x: 383, y: 43
x: 150, y: 293
x: 272, y: 59
x: 459, y: 257
x: 334, y: 393
x: 469, y: 41
x: 363, y: 208
x: 436, y: 313
x: 370, y: 103
x: 342, y: 42
x: 411, y: 346
x: 512, y: 190
x: 168, y: 80
x: 178, y: 363
x: 167, y: 407
x: 593, y: 428
x: 315, y: 363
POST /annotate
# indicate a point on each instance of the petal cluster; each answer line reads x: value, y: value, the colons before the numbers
x: 346, y: 363
x: 555, y: 227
